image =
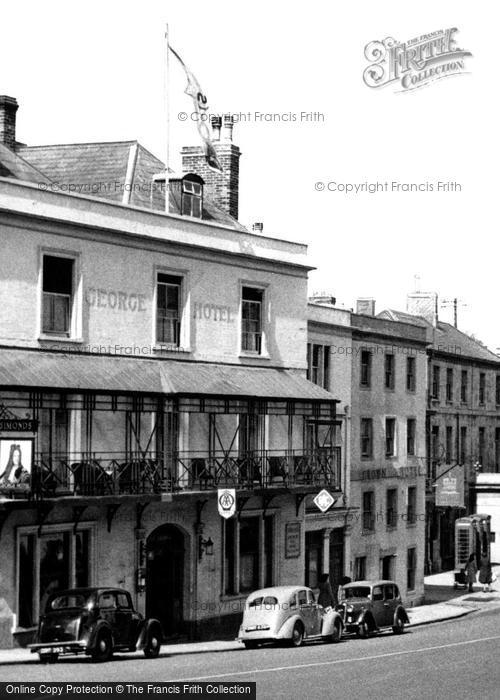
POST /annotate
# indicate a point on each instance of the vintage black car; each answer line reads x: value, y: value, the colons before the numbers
x: 372, y: 606
x: 96, y: 622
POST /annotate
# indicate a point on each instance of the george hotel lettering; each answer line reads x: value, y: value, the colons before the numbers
x: 116, y: 300
x: 212, y: 312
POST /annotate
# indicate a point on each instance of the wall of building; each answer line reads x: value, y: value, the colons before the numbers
x: 111, y: 274
x: 379, y: 473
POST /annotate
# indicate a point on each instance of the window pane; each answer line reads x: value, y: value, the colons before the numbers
x: 54, y: 565
x: 249, y: 554
x: 26, y: 581
x: 57, y: 275
x: 82, y: 557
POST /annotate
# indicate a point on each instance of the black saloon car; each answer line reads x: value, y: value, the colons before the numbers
x: 372, y: 606
x: 96, y: 622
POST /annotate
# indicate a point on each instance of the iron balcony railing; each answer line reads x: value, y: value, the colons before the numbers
x: 101, y: 474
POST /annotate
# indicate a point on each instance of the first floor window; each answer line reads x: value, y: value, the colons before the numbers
x: 168, y: 309
x: 248, y: 543
x: 369, y: 510
x: 463, y: 444
x: 390, y: 437
x: 411, y: 509
x: 449, y: 444
x: 411, y: 426
x: 58, y: 559
x: 57, y: 294
x: 411, y: 568
x: 392, y: 508
x: 359, y: 571
x: 251, y: 319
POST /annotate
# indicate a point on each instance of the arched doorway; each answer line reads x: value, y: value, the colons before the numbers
x: 165, y: 578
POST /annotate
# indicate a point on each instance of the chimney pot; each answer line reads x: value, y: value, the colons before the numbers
x: 227, y: 131
x: 216, y: 127
x: 258, y: 226
x: 8, y: 109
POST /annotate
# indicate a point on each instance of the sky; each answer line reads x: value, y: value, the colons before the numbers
x: 94, y: 71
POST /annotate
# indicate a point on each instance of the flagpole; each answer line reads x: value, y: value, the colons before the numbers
x: 167, y: 105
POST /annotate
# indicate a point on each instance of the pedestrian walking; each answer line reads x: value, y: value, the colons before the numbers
x: 485, y: 574
x: 471, y: 571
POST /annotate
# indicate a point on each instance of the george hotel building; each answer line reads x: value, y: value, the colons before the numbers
x: 149, y: 358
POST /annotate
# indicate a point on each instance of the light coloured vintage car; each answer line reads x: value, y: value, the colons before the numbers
x: 287, y: 614
x: 372, y: 606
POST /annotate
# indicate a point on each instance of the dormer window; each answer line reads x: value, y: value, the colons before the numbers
x: 192, y: 196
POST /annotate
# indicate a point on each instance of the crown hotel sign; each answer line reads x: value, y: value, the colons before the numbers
x: 450, y: 488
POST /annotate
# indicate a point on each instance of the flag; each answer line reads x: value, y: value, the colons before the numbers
x: 200, y: 105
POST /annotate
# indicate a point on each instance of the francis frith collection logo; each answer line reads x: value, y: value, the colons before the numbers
x: 414, y: 63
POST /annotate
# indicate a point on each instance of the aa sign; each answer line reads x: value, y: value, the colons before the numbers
x: 226, y: 501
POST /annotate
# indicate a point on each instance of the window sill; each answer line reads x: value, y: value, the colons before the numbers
x: 368, y: 532
x: 411, y: 524
x: 391, y: 528
x: 254, y: 355
x: 365, y: 387
x: 160, y: 349
x: 59, y: 339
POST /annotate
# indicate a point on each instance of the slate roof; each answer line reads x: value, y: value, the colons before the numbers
x: 445, y: 338
x: 100, y: 170
x: 12, y: 165
x: 83, y: 372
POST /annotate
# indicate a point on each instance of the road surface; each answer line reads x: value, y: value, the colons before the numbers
x: 455, y: 659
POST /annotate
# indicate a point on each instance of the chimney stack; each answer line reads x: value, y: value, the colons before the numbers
x: 423, y: 304
x: 324, y: 298
x: 221, y: 188
x: 365, y: 306
x: 8, y: 109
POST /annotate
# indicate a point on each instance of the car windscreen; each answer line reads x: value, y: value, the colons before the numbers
x: 263, y: 602
x: 357, y: 592
x: 68, y: 600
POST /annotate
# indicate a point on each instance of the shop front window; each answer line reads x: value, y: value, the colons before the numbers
x: 56, y: 560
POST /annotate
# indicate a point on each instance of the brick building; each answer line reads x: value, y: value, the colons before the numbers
x: 463, y: 421
x: 378, y: 369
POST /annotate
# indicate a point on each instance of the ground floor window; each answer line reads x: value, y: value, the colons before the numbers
x: 314, y: 557
x: 55, y: 560
x: 411, y: 568
x: 387, y: 567
x: 248, y: 554
x: 359, y: 571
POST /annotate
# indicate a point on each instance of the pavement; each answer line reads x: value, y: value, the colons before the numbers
x: 445, y: 603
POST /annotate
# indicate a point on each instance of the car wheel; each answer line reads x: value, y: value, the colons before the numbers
x: 48, y: 658
x: 250, y: 645
x: 363, y: 630
x: 399, y: 627
x: 153, y: 644
x: 297, y: 635
x: 104, y: 647
x: 336, y: 634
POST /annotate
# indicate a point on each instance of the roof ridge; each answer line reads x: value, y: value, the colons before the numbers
x: 129, y: 142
